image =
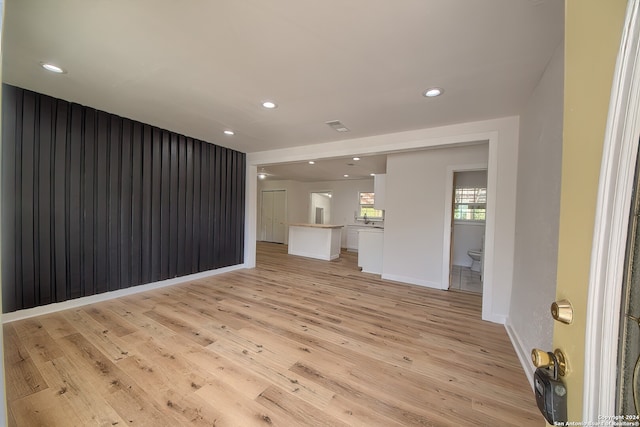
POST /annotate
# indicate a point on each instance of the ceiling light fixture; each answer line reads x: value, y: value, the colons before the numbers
x: 262, y: 174
x: 53, y: 68
x: 346, y: 175
x: 372, y: 174
x: 269, y: 104
x: 311, y: 162
x: 229, y: 132
x: 433, y: 92
x: 356, y: 158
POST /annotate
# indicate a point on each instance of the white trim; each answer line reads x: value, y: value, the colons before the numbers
x: 522, y: 352
x: 611, y: 225
x: 411, y: 281
x: 79, y: 302
x: 251, y: 214
x: 448, y: 208
x: 489, y: 235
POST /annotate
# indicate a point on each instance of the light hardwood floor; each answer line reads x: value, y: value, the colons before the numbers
x: 293, y: 342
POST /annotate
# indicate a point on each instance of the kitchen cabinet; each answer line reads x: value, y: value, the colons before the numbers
x: 321, y: 241
x: 371, y: 245
x: 352, y: 237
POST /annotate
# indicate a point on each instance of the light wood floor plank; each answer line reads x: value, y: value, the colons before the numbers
x: 293, y: 342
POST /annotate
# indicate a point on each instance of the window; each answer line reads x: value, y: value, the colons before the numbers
x: 366, y: 208
x: 470, y: 204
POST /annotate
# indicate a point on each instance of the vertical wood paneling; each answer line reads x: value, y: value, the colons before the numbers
x: 95, y: 202
x: 10, y: 108
x: 126, y: 204
x: 147, y: 189
x: 196, y: 210
x: 174, y: 165
x: 89, y: 205
x: 165, y: 205
x: 75, y: 154
x: 181, y: 225
x: 43, y: 170
x: 26, y: 199
x: 188, y: 206
x: 59, y: 191
x: 101, y: 244
x: 137, y: 202
x: 156, y: 204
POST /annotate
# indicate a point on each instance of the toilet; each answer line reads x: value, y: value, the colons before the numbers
x: 476, y: 256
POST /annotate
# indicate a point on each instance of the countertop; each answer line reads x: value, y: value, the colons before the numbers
x: 371, y: 230
x: 317, y: 225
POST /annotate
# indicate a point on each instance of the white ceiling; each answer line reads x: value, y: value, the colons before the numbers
x: 200, y: 67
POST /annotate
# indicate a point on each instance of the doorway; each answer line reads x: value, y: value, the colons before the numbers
x: 320, y: 212
x: 273, y: 216
x: 467, y: 229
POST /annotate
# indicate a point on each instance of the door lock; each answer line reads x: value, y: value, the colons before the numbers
x: 556, y: 360
x: 562, y: 311
x: 550, y: 391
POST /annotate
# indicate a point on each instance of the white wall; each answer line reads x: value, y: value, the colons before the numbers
x: 537, y: 215
x: 502, y: 135
x: 467, y: 236
x: 415, y: 212
x: 344, y: 199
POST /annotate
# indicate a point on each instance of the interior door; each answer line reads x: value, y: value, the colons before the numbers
x: 451, y: 240
x: 279, y: 216
x: 273, y: 216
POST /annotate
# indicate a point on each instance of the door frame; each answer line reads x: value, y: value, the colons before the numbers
x: 611, y: 225
x: 448, y: 219
x: 311, y: 213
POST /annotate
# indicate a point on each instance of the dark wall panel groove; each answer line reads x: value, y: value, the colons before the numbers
x: 93, y: 202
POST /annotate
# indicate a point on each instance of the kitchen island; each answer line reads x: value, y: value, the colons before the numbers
x: 321, y: 241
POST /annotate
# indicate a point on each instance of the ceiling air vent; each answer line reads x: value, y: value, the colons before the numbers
x: 337, y: 126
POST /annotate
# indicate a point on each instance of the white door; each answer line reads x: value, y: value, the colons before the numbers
x: 273, y: 216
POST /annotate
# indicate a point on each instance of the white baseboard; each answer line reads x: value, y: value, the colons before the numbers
x: 524, y: 354
x: 92, y: 299
x: 411, y: 281
x: 495, y: 318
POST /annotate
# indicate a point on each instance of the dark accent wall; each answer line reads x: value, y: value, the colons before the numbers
x: 93, y: 202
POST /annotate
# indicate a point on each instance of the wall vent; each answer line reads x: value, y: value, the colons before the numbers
x: 337, y: 126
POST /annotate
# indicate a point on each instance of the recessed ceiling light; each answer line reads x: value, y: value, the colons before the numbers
x: 372, y: 174
x: 356, y: 158
x: 262, y: 175
x: 53, y: 68
x: 269, y: 104
x: 433, y: 92
x: 229, y: 132
x: 311, y: 162
x: 346, y: 175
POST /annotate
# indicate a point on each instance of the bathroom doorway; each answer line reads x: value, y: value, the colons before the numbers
x: 320, y: 212
x: 468, y: 215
